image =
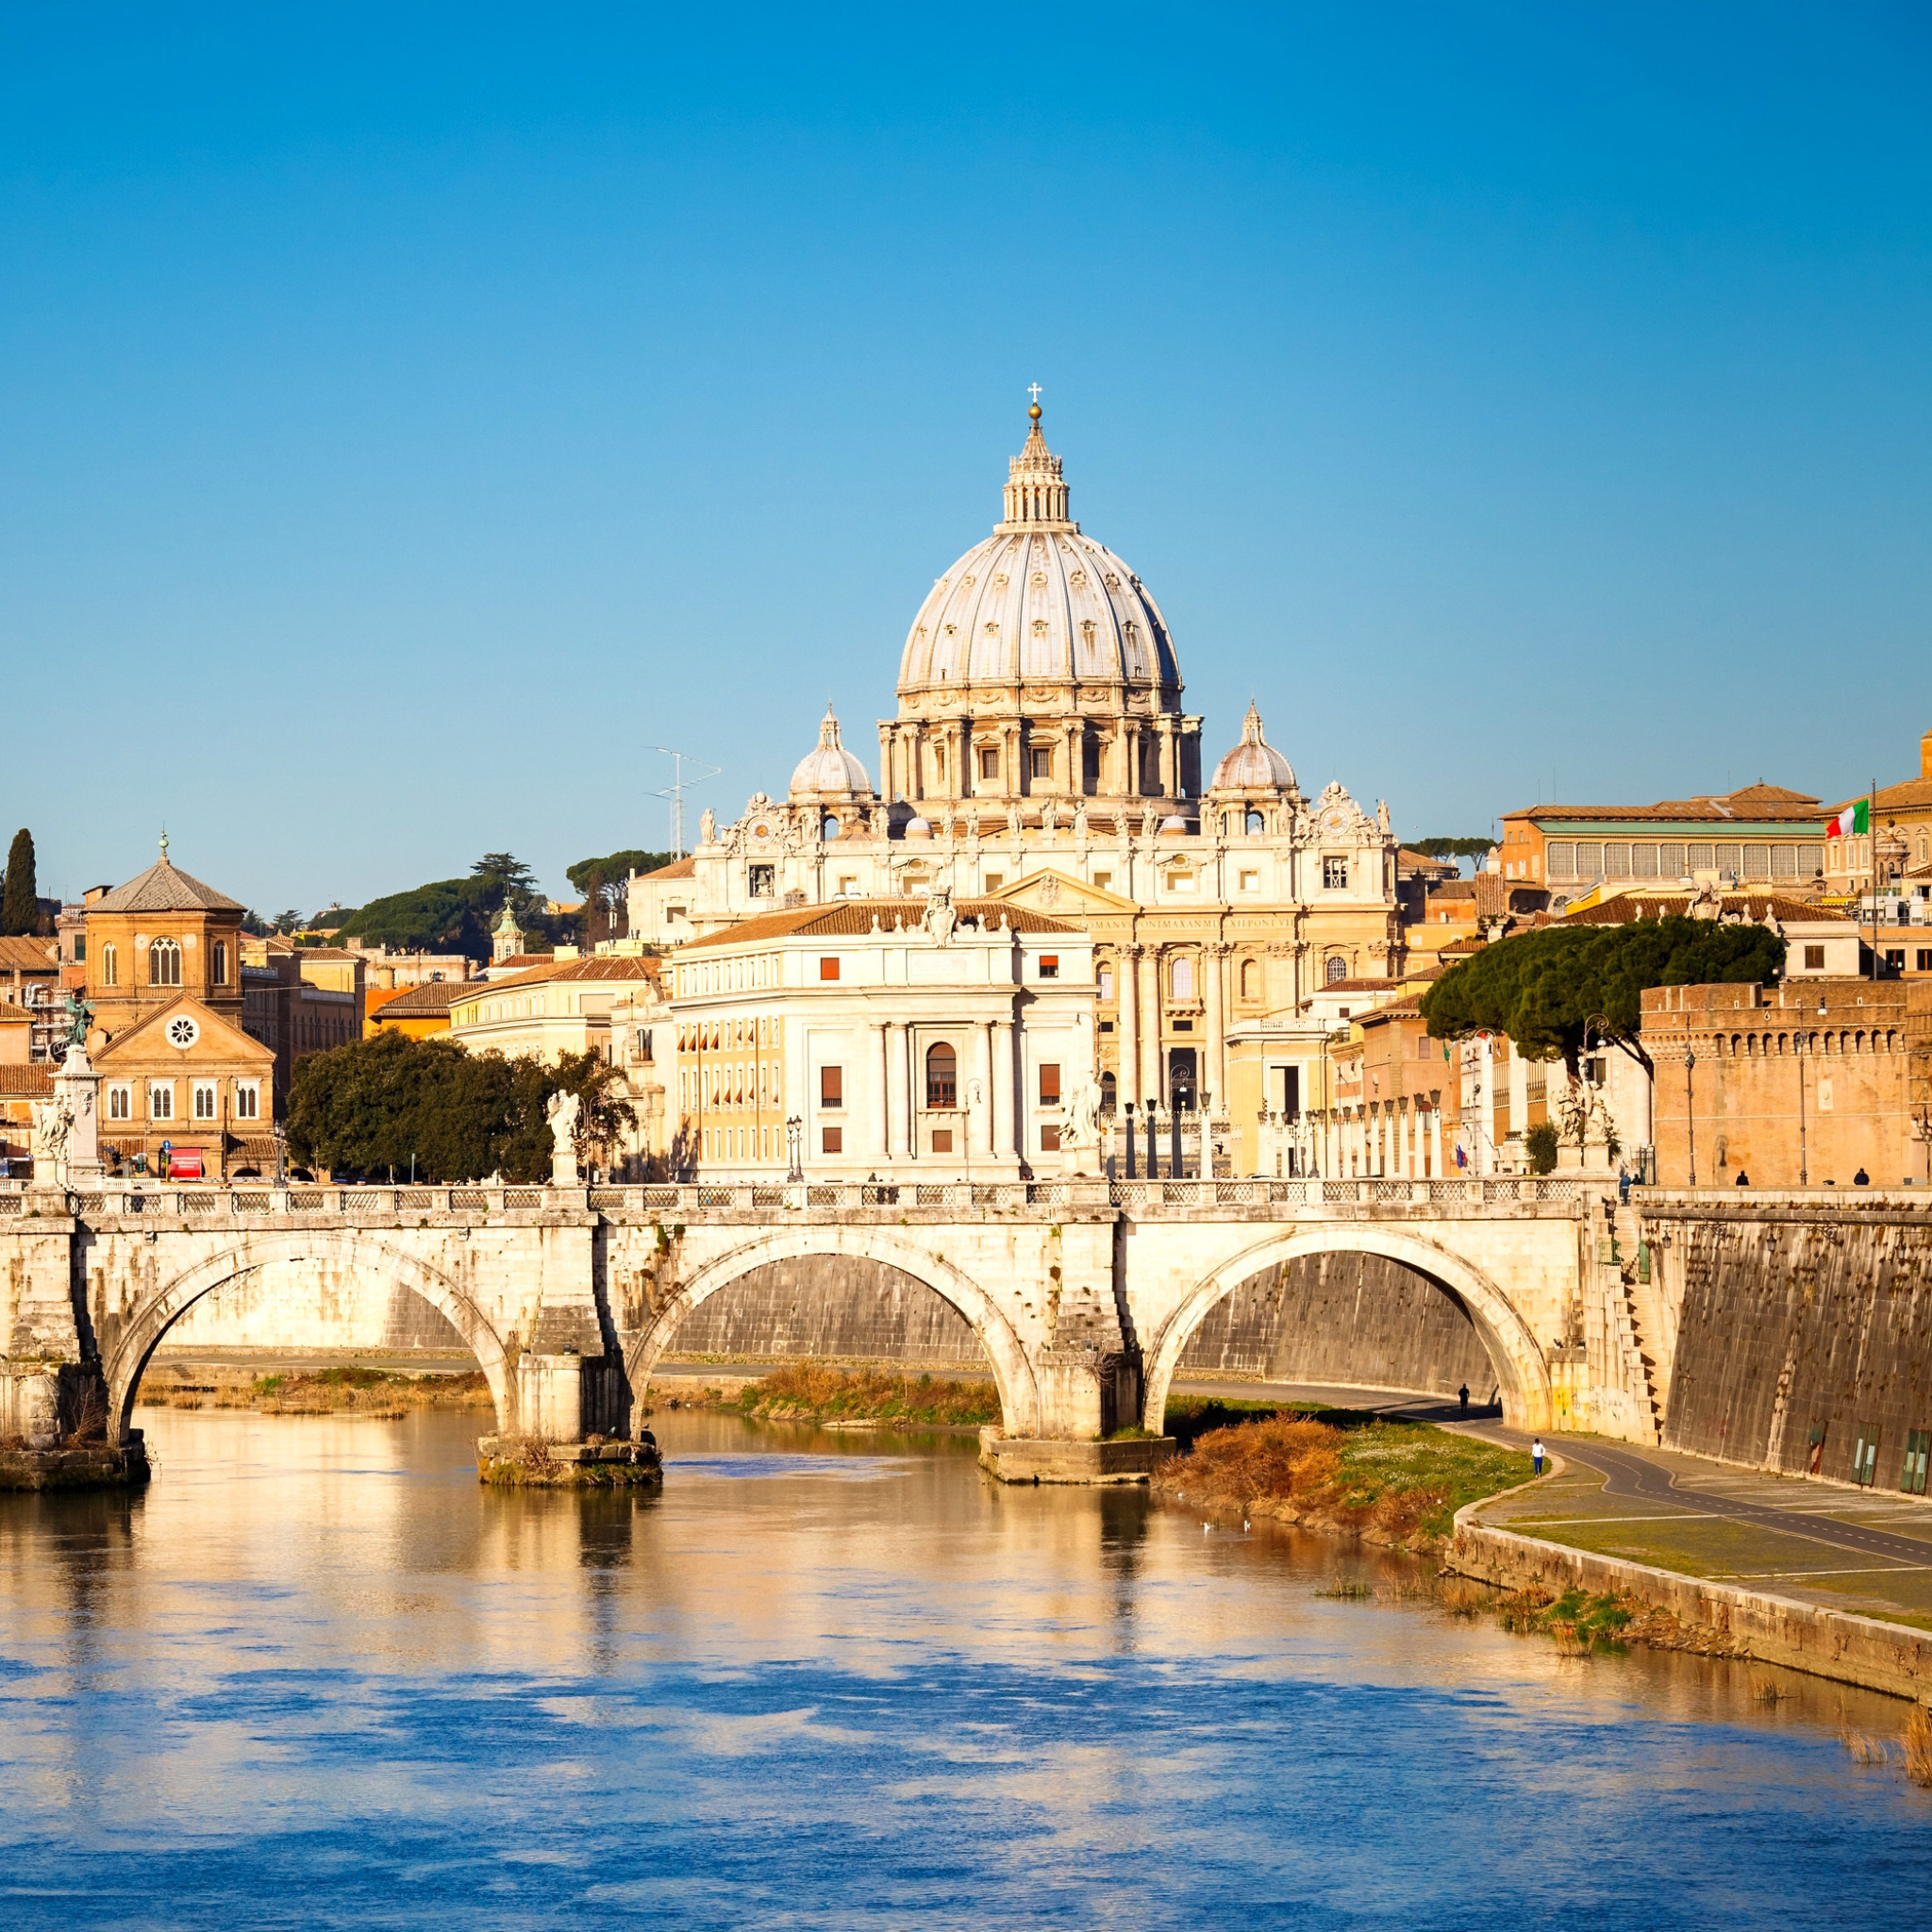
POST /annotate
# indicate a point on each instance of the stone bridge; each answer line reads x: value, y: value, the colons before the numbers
x: 1083, y: 1294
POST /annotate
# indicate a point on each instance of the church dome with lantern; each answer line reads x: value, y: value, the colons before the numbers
x: 1038, y: 601
x: 1253, y: 764
x: 829, y: 772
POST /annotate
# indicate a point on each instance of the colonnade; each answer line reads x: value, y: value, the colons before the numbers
x: 908, y: 770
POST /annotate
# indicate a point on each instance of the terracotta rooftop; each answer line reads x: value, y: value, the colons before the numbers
x: 1762, y: 803
x: 853, y: 919
x: 608, y: 968
x: 677, y: 869
x: 165, y: 888
x: 28, y: 953
x: 421, y: 1002
x: 1625, y: 907
x: 26, y: 1083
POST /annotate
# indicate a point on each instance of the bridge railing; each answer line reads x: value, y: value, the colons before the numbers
x: 200, y: 1202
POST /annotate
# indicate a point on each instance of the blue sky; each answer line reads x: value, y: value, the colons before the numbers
x: 410, y: 414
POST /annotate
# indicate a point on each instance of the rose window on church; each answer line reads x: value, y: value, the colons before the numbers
x: 183, y: 1031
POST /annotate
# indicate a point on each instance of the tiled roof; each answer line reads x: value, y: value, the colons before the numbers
x: 15, y: 1013
x: 27, y: 954
x: 1763, y: 803
x: 422, y: 1002
x: 1359, y: 986
x: 1415, y: 860
x: 600, y: 968
x: 165, y: 888
x: 32, y: 1082
x: 853, y: 919
x: 1626, y: 906
x: 1912, y: 794
x: 677, y: 869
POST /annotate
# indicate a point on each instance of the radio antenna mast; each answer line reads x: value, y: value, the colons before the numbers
x: 675, y: 790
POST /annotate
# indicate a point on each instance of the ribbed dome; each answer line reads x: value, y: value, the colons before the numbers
x: 1253, y: 764
x: 828, y: 769
x: 1038, y: 601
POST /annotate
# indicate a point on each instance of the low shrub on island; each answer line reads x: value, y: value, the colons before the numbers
x: 815, y: 1391
x: 1386, y: 1480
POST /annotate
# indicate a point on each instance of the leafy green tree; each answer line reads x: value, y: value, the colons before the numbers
x: 1452, y: 848
x: 616, y: 867
x: 376, y: 1105
x: 20, y: 900
x: 1549, y: 989
x: 1539, y: 1144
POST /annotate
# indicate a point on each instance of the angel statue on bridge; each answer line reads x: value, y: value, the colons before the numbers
x: 561, y: 1111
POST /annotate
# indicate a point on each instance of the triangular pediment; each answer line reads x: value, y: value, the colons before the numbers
x: 1059, y: 895
x: 215, y: 1039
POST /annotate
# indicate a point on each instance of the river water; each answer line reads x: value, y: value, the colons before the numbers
x: 316, y: 1676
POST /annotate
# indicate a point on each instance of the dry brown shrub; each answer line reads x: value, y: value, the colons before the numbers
x: 1281, y: 1457
x: 1461, y: 1598
x: 1917, y: 1742
x: 1764, y: 1689
x: 1862, y: 1748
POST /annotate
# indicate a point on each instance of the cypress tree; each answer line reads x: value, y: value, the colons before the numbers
x: 20, y: 904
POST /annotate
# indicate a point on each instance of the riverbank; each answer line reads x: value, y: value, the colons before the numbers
x: 328, y: 1391
x: 1388, y: 1482
x: 842, y: 1398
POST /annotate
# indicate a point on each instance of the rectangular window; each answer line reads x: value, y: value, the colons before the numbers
x: 831, y: 1087
x: 943, y: 1140
x: 1865, y: 1456
x: 1814, y: 958
x: 828, y: 969
x: 1049, y: 965
x: 848, y: 886
x: 1784, y: 861
x: 160, y: 1101
x: 1896, y: 958
x: 1729, y: 858
x: 1049, y: 1083
x: 1925, y: 959
x: 833, y: 1139
x: 1250, y: 882
x: 1912, y: 1476
x: 1335, y: 874
x: 1181, y: 882
x: 1700, y: 858
x: 1050, y: 1138
x: 247, y: 1101
x: 642, y: 1044
x: 1758, y: 861
x: 1643, y: 861
x: 1810, y: 861
x: 1181, y: 979
x: 1590, y: 860
x: 1103, y: 880
x: 994, y: 880
x: 120, y: 1103
x: 1425, y: 1048
x: 203, y: 1100
x: 1042, y: 761
x: 989, y: 763
x: 1560, y: 857
x: 1106, y: 983
x: 1617, y: 861
x: 1670, y: 861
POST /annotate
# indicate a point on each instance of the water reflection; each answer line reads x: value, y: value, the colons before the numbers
x: 841, y: 1679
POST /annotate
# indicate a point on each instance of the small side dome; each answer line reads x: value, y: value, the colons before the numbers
x: 1253, y: 764
x: 918, y: 829
x: 828, y: 769
x: 1174, y: 825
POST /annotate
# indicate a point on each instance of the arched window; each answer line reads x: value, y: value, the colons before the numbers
x: 164, y: 963
x: 110, y: 966
x: 1251, y: 979
x: 941, y: 1075
x: 218, y: 964
x: 1108, y: 1089
x: 1181, y: 977
x: 829, y: 828
x: 1256, y: 825
x: 1336, y: 970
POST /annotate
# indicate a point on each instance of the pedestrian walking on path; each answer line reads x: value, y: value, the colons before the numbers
x: 1462, y: 1396
x: 1536, y: 1453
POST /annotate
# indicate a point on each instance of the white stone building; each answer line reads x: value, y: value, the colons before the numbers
x: 907, y: 1043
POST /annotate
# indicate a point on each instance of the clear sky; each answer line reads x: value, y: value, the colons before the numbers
x: 411, y: 414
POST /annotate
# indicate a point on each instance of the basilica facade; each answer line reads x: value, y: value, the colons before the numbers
x: 1040, y: 755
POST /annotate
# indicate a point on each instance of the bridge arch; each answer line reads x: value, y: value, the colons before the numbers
x: 124, y: 1360
x: 1012, y: 1369
x: 1521, y: 1374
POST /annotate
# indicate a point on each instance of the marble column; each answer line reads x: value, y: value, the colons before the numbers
x: 1153, y: 1074
x: 1008, y: 1138
x: 887, y: 740
x: 1126, y: 975
x: 900, y: 1140
x: 879, y: 1141
x: 986, y: 1075
x: 1214, y: 1073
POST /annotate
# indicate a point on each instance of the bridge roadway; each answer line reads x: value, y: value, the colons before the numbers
x: 1084, y: 1293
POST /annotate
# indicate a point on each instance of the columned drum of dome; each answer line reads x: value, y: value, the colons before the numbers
x: 1040, y: 667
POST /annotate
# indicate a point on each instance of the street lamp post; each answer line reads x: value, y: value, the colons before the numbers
x: 794, y: 1144
x: 1130, y: 1138
x: 1691, y: 1111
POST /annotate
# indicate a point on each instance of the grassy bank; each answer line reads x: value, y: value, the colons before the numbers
x: 320, y: 1391
x: 1388, y: 1481
x: 812, y: 1392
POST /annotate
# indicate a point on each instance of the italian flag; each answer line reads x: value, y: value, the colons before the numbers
x: 1854, y: 820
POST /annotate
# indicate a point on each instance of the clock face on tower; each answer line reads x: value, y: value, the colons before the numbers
x: 183, y: 1031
